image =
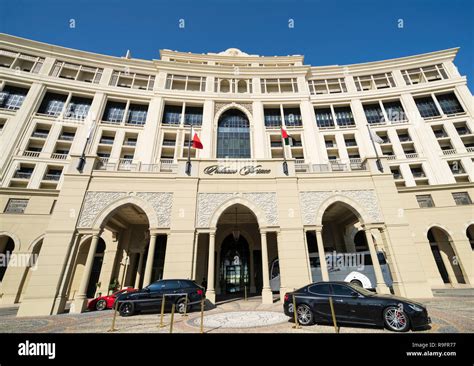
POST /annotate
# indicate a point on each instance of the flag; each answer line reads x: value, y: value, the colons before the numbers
x: 285, y: 136
x: 376, y: 138
x: 196, y: 142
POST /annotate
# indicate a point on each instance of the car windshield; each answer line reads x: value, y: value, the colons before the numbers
x: 361, y: 290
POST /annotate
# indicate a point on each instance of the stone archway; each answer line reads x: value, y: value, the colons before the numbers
x: 447, y: 261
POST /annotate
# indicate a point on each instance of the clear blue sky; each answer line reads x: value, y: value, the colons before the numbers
x: 325, y: 32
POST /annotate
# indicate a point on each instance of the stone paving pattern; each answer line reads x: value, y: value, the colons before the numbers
x: 449, y: 314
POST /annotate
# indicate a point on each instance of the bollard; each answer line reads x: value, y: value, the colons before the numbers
x: 245, y: 288
x: 296, y: 326
x: 112, y: 328
x: 172, y: 318
x: 333, y: 315
x: 162, y: 325
x: 185, y: 306
x: 202, y: 315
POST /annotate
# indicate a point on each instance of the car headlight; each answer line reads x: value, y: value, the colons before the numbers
x: 415, y: 307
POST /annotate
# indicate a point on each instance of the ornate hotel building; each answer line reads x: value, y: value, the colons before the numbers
x: 93, y: 179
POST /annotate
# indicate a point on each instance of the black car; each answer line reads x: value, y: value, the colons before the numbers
x: 150, y: 298
x: 355, y: 305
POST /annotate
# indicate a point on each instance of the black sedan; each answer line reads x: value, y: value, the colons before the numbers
x: 150, y: 298
x: 355, y: 305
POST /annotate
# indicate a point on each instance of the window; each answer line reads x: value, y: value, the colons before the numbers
x: 292, y: 117
x: 20, y: 61
x: 373, y: 113
x: 272, y: 117
x: 344, y: 116
x: 462, y: 198
x: 341, y: 290
x: 427, y: 107
x: 232, y: 85
x: 396, y: 173
x: 449, y: 103
x: 425, y: 201
x: 327, y: 86
x: 372, y: 82
x: 193, y: 116
x: 127, y: 79
x: 417, y: 172
x: 324, y: 117
x: 136, y: 114
x: 172, y: 115
x: 12, y: 97
x: 114, y: 112
x: 52, y: 104
x: 456, y: 167
x: 16, y: 206
x: 279, y: 85
x: 78, y: 108
x: 184, y: 82
x: 77, y: 72
x: 394, y: 110
x: 424, y: 74
x: 320, y: 289
x: 233, y: 135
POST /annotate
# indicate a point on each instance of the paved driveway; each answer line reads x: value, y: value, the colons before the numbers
x: 451, y: 312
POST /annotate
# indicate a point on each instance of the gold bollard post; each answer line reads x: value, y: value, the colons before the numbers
x: 245, y: 288
x: 202, y: 315
x: 185, y: 306
x: 172, y: 318
x: 297, y: 325
x: 336, y: 328
x: 162, y: 325
x: 112, y: 328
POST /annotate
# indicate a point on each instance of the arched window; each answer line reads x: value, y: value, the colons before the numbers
x: 233, y: 135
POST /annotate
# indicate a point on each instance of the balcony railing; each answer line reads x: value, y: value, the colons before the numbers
x: 418, y: 174
x: 391, y: 157
x: 106, y: 141
x: 58, y: 156
x: 449, y: 152
x: 41, y: 135
x: 470, y: 149
x: 66, y: 138
x: 169, y: 142
x: 31, y: 154
x: 22, y: 175
x: 53, y: 177
x: 411, y: 155
x: 165, y: 165
x: 130, y: 143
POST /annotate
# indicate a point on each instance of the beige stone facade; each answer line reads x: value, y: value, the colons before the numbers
x: 132, y: 213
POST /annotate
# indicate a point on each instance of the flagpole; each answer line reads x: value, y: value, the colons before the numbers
x: 285, y: 164
x: 188, y: 162
x: 82, y: 159
x: 378, y: 162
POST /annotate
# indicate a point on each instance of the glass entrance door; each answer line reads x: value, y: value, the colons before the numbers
x: 234, y: 273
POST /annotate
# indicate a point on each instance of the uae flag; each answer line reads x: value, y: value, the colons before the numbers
x: 196, y: 142
x: 285, y: 136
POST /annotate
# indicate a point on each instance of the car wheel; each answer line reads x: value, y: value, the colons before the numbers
x: 396, y: 319
x: 127, y: 309
x: 101, y: 305
x: 180, y: 305
x: 357, y: 283
x: 305, y: 315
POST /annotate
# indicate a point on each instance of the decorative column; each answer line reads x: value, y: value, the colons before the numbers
x: 195, y: 255
x: 381, y: 287
x: 149, y: 260
x: 397, y: 284
x: 322, y: 254
x: 218, y: 272
x: 252, y: 273
x: 80, y: 303
x: 139, y: 269
x: 211, y: 293
x: 267, y: 296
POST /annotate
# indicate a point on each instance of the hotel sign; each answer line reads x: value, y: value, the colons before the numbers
x: 228, y: 170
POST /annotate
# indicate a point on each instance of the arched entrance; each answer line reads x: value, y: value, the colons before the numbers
x: 470, y: 235
x: 7, y: 246
x: 346, y: 241
x: 117, y: 255
x: 446, y: 259
x: 233, y: 135
x: 234, y: 273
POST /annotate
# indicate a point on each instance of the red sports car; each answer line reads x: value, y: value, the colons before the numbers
x: 106, y: 302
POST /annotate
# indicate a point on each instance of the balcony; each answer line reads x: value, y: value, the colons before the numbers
x: 59, y: 156
x: 418, y: 174
x: 130, y: 143
x: 397, y: 176
x: 448, y: 152
x: 31, y: 154
x: 66, y: 138
x: 301, y: 166
x: 391, y: 157
x: 126, y: 165
x: 276, y: 144
x: 169, y: 142
x: 411, y: 155
x: 40, y: 135
x: 106, y: 141
x: 470, y: 149
x: 356, y: 164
